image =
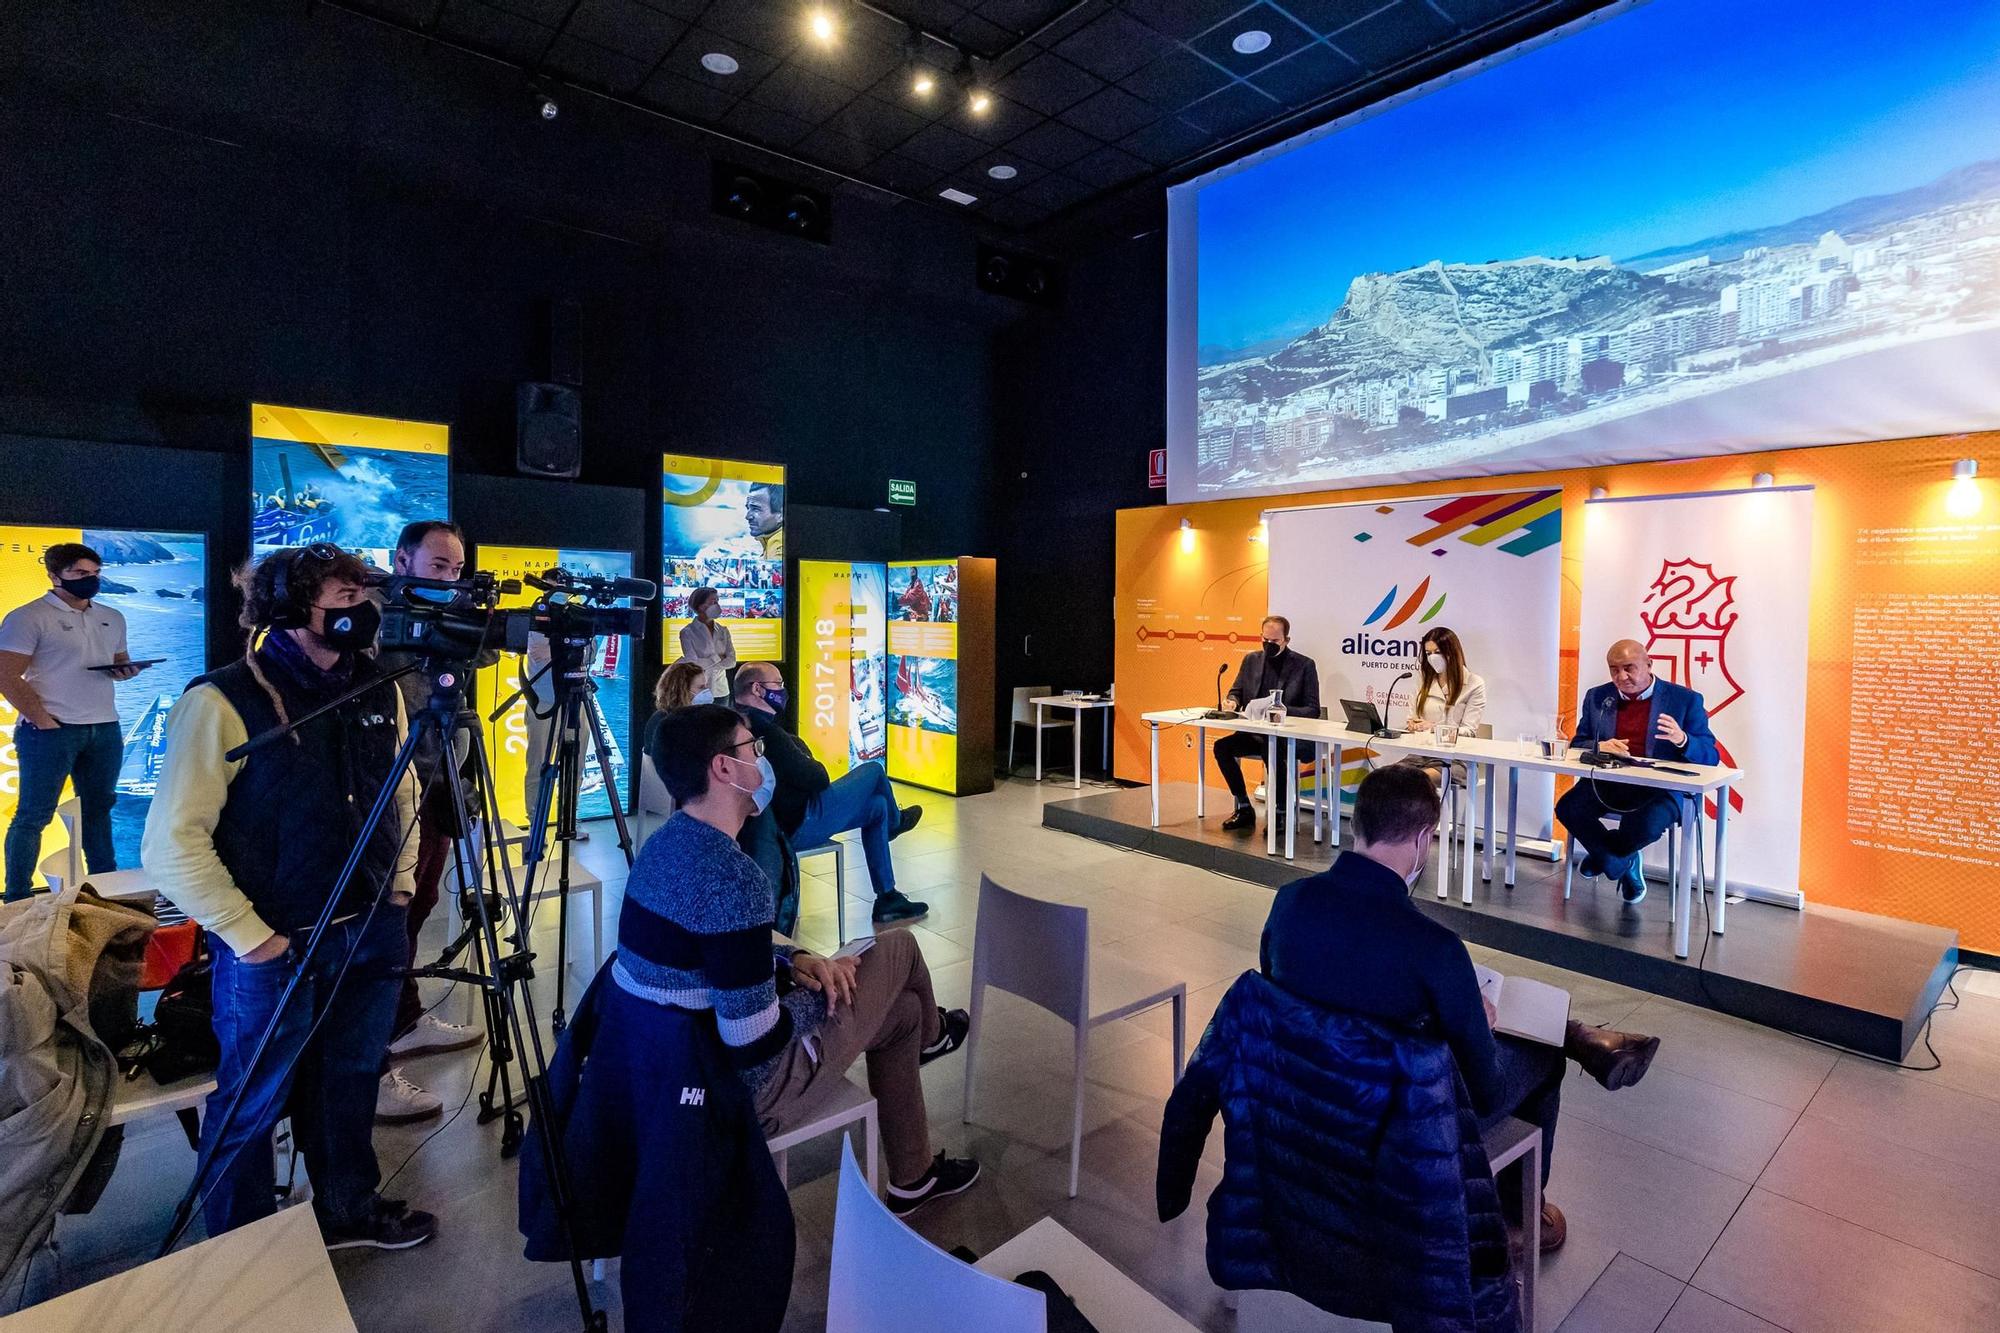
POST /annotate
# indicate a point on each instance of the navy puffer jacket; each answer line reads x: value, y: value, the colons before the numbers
x: 1354, y: 1176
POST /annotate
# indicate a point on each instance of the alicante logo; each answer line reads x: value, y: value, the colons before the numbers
x: 1366, y: 645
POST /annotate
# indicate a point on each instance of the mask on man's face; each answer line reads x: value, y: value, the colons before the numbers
x: 1273, y: 647
x: 775, y: 696
x: 349, y: 629
x: 767, y: 784
x: 84, y: 588
x: 1423, y: 864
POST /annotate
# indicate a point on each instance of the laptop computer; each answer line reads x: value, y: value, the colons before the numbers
x: 1363, y: 717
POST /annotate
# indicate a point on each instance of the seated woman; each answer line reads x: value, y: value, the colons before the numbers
x: 695, y: 933
x: 681, y: 684
x: 1446, y: 691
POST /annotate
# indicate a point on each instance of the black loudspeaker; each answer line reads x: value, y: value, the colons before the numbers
x: 767, y: 201
x: 1023, y: 277
x: 548, y: 430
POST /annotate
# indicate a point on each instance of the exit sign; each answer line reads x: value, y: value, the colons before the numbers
x: 902, y: 492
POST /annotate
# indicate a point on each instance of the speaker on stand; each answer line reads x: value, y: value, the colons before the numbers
x: 548, y: 430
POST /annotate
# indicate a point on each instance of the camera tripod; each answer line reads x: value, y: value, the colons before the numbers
x: 502, y: 965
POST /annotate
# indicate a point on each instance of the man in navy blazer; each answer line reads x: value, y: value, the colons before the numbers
x: 1640, y: 715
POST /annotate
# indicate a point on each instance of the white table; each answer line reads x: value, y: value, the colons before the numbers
x: 1078, y: 704
x: 1477, y: 755
x: 1103, y: 1295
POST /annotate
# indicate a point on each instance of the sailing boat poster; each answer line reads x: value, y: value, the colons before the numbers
x: 610, y: 671
x: 157, y: 581
x: 336, y: 477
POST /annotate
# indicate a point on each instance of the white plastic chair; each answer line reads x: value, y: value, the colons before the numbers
x: 655, y: 804
x: 850, y: 1105
x: 1575, y: 852
x: 1041, y: 952
x: 839, y: 880
x: 1024, y: 716
x: 886, y: 1276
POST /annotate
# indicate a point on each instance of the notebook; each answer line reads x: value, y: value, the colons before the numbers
x: 1530, y: 1010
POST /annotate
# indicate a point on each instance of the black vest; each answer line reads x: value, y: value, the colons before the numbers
x: 294, y: 811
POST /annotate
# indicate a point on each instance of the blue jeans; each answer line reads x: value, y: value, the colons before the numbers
x: 860, y: 799
x: 1644, y: 813
x: 330, y: 1092
x: 1531, y: 1079
x: 88, y: 755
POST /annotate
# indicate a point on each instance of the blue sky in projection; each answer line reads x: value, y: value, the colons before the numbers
x: 1671, y: 123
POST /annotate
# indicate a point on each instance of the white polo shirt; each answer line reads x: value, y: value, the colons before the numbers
x: 61, y: 642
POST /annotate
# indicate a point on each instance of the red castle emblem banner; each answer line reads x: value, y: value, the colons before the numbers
x: 1687, y: 614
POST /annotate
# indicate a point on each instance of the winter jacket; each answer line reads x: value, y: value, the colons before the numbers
x: 69, y: 966
x: 668, y: 1167
x: 1354, y: 1175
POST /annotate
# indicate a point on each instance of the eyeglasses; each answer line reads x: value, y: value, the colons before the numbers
x: 756, y: 746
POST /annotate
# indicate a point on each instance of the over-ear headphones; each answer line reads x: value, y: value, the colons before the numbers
x: 284, y: 613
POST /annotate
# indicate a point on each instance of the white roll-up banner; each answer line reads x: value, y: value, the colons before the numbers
x: 1363, y: 583
x: 1716, y: 586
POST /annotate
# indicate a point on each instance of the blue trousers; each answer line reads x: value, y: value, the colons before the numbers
x: 1531, y: 1079
x: 860, y: 798
x: 89, y: 756
x: 330, y: 1091
x: 1644, y: 813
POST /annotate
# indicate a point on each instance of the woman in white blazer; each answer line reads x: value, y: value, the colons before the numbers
x: 706, y: 641
x: 1446, y: 691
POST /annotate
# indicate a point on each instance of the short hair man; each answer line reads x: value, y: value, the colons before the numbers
x: 1638, y: 715
x: 695, y: 896
x: 68, y: 729
x: 811, y: 808
x: 252, y: 849
x: 1396, y: 965
x: 764, y: 515
x: 1274, y: 666
x: 426, y: 549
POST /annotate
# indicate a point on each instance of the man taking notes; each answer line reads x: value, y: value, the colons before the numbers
x: 1296, y: 678
x: 1639, y: 716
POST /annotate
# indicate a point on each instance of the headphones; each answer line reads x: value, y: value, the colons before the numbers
x: 284, y: 614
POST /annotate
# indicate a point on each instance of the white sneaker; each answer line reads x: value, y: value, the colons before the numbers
x: 433, y: 1036
x: 399, y: 1101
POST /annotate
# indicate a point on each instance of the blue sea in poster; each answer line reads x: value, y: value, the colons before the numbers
x: 361, y: 505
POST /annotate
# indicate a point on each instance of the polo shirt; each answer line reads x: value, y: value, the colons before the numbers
x: 60, y: 642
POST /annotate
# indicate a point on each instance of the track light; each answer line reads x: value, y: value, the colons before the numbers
x: 922, y: 80
x: 977, y: 99
x: 819, y: 22
x: 1187, y: 535
x: 1964, y: 499
x: 545, y: 106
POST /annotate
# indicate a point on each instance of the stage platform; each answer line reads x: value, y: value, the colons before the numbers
x: 1861, y: 981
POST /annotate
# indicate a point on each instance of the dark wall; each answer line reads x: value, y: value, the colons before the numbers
x: 1082, y: 402
x: 205, y: 205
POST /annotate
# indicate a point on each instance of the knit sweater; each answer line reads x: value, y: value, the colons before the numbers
x: 695, y: 933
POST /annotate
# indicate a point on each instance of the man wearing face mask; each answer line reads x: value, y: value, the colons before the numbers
x: 810, y: 808
x: 252, y: 849
x: 1296, y: 678
x: 1397, y: 965
x: 68, y: 729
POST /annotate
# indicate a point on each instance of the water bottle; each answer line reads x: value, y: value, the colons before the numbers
x: 1277, y: 713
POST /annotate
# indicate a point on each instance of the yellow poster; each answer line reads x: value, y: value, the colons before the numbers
x: 723, y: 527
x: 922, y: 673
x: 341, y: 478
x: 841, y: 634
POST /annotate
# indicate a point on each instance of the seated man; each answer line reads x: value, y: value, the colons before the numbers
x: 810, y: 809
x: 1351, y: 939
x: 1296, y: 678
x: 695, y: 932
x: 1635, y: 714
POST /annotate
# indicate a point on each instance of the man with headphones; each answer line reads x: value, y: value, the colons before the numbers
x: 252, y: 849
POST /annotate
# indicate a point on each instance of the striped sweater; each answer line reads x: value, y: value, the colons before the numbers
x: 695, y: 933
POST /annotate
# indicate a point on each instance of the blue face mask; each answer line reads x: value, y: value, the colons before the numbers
x: 767, y: 785
x: 704, y: 696
x: 776, y: 698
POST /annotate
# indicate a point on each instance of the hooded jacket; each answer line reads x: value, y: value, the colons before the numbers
x: 1354, y: 1175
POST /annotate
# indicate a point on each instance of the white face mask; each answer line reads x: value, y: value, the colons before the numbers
x: 1417, y: 871
x: 1436, y: 660
x: 704, y: 696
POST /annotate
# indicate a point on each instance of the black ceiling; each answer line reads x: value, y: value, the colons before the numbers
x: 1087, y: 99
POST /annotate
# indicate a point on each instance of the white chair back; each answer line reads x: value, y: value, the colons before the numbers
x: 1024, y: 712
x: 886, y: 1276
x: 1035, y: 949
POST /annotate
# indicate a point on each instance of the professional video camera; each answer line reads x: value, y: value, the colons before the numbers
x: 458, y: 619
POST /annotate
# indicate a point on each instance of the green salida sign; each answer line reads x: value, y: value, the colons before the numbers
x: 902, y: 492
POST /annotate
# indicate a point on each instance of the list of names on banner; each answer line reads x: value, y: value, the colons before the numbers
x: 1921, y: 776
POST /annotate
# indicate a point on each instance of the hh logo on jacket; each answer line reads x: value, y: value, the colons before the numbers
x: 693, y: 1096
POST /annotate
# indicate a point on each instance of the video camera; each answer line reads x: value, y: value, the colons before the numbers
x: 459, y: 619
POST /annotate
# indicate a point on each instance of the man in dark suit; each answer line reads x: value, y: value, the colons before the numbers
x: 1296, y: 678
x: 1350, y: 939
x: 1636, y: 714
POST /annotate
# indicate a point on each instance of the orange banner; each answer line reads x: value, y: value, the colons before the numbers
x: 1904, y: 630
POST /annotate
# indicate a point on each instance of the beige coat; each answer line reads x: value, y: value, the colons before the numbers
x: 58, y: 953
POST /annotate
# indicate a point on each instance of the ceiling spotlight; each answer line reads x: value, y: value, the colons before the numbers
x: 545, y: 105
x: 1002, y: 172
x: 1963, y: 500
x: 1187, y: 535
x: 977, y: 99
x: 717, y: 62
x: 980, y: 102
x: 820, y: 24
x: 1249, y: 43
x: 922, y: 82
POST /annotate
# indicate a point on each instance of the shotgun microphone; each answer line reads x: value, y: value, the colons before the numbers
x: 1388, y: 695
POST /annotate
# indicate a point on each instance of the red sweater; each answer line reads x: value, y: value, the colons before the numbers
x: 1631, y: 725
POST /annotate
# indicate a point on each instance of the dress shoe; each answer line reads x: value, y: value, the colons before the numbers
x: 1555, y: 1230
x: 1244, y: 819
x: 1615, y: 1059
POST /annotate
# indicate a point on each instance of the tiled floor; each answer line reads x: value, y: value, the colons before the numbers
x: 1753, y: 1182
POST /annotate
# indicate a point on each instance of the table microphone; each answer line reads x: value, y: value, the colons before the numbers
x: 1385, y: 733
x: 1219, y: 711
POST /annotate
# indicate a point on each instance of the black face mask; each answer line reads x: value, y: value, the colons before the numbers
x: 1272, y: 648
x: 349, y: 629
x: 84, y: 588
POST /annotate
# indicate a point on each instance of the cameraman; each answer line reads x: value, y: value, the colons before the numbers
x: 251, y: 850
x: 427, y: 549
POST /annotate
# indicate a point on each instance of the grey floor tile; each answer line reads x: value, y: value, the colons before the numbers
x: 1967, y: 1041
x: 1698, y: 1312
x: 1958, y: 1126
x: 1731, y: 1053
x: 1723, y: 1130
x: 1642, y: 1201
x: 1811, y: 1272
x: 1629, y: 1297
x: 1951, y: 1209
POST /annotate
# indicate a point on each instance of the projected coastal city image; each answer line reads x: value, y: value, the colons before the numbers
x: 1686, y: 229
